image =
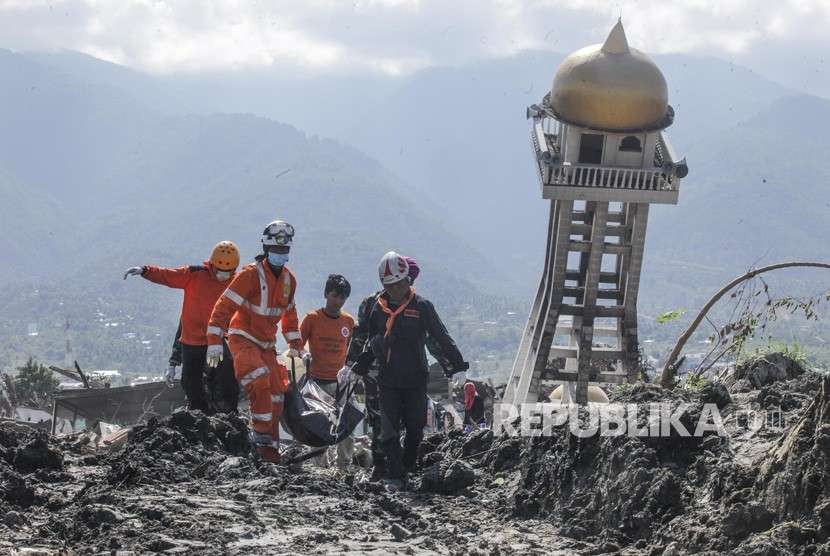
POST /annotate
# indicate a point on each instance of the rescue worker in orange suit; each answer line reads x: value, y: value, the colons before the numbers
x: 255, y: 304
x: 203, y: 285
x: 398, y: 326
x: 328, y: 331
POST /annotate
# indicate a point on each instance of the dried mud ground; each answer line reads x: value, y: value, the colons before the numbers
x: 187, y: 484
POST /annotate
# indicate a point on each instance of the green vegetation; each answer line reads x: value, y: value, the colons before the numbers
x: 131, y: 329
x: 793, y: 350
x: 34, y: 384
x: 670, y: 316
x: 694, y: 382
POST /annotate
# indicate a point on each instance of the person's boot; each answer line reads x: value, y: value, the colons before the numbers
x: 269, y: 454
x: 378, y: 473
x: 394, y: 485
x: 265, y: 446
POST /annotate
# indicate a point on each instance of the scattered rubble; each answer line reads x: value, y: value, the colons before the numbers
x: 772, y: 367
x: 763, y: 489
x: 189, y: 484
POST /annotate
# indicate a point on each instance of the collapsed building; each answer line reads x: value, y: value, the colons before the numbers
x: 101, y: 407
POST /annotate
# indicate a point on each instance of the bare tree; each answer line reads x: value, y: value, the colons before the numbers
x: 742, y: 328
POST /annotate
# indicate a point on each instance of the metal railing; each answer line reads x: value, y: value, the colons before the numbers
x: 662, y: 177
x: 609, y: 177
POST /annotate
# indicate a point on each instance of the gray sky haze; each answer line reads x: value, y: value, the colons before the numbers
x: 786, y: 40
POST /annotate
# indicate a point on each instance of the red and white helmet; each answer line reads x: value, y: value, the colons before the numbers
x: 278, y: 232
x: 392, y: 268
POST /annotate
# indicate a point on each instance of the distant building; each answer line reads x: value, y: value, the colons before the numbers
x: 111, y: 373
x: 143, y: 380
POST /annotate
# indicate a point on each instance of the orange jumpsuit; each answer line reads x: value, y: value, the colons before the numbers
x: 250, y: 311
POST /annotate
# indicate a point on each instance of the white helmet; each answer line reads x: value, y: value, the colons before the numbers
x: 278, y: 232
x: 392, y: 268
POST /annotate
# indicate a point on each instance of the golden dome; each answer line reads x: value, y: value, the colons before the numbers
x: 611, y: 87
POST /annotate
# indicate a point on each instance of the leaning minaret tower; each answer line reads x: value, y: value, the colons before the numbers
x: 603, y: 157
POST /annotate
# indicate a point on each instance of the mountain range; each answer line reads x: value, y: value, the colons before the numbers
x: 102, y: 167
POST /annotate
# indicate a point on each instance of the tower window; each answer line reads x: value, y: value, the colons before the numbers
x: 590, y: 148
x: 631, y: 144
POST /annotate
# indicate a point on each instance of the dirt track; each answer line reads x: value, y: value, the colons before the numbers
x: 188, y: 485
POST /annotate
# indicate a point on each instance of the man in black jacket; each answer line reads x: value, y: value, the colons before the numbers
x: 358, y: 345
x: 398, y: 326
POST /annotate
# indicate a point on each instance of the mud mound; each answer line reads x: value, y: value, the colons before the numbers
x: 619, y: 488
x: 28, y: 449
x: 778, y: 505
x: 795, y: 478
x: 178, y: 448
x: 615, y: 488
x: 773, y: 367
x: 746, y: 492
x: 15, y: 490
x: 26, y: 458
x: 36, y: 453
x: 447, y: 477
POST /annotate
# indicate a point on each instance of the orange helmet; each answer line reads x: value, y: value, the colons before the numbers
x: 225, y: 256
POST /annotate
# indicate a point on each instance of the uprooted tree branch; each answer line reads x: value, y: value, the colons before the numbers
x: 733, y: 336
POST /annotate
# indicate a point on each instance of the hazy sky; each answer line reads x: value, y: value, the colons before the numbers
x: 784, y: 39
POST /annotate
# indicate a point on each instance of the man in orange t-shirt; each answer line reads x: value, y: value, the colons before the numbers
x: 328, y: 332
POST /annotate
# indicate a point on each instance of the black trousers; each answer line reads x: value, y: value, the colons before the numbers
x: 407, y: 406
x: 475, y: 415
x: 370, y: 385
x: 210, y: 390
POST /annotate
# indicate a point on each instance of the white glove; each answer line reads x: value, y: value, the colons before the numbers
x: 215, y: 354
x: 460, y: 378
x: 134, y: 271
x: 344, y: 375
x: 171, y: 375
x: 291, y: 352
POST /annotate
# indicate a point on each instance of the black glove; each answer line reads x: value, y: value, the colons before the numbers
x: 363, y: 364
x: 461, y: 367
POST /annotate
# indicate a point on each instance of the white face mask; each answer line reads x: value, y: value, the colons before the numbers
x: 223, y: 275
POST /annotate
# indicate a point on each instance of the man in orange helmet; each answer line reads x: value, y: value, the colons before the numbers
x: 202, y: 284
x: 256, y: 303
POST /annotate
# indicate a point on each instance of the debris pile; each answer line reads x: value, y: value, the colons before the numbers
x: 796, y: 475
x: 762, y: 371
x: 26, y: 458
x: 180, y: 447
x: 188, y: 483
x: 763, y: 488
x: 618, y: 488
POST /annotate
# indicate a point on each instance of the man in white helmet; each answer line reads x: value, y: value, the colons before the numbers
x: 398, y: 325
x: 256, y: 303
x: 358, y: 346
